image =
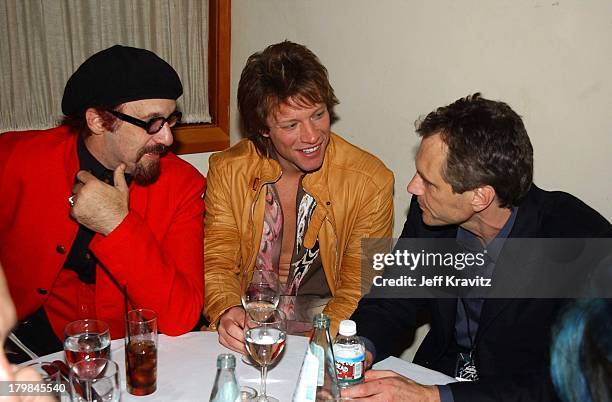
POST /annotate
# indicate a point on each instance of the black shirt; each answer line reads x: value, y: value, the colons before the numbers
x: 80, y: 259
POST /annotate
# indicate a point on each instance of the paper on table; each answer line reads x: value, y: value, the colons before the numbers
x: 420, y: 374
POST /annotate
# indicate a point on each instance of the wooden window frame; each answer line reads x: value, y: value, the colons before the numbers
x: 214, y: 136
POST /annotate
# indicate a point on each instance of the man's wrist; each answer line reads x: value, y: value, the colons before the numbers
x: 114, y: 224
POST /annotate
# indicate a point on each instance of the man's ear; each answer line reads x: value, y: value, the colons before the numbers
x: 483, y: 197
x: 95, y: 121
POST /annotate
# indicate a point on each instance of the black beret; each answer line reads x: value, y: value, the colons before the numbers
x: 117, y: 75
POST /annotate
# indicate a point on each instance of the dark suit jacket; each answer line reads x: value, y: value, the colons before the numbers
x: 513, y: 338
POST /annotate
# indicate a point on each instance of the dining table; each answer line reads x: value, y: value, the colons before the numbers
x: 187, y: 368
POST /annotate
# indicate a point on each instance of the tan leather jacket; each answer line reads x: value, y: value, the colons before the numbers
x: 354, y: 195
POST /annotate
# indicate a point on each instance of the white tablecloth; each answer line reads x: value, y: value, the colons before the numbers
x: 187, y: 367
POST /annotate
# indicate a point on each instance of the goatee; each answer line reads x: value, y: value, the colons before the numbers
x: 148, y: 174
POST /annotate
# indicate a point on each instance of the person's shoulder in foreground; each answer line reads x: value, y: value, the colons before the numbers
x: 474, y: 172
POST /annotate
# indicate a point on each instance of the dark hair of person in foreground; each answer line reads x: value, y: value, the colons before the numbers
x: 581, y: 354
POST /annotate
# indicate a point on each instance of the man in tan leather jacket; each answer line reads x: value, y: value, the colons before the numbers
x: 293, y: 198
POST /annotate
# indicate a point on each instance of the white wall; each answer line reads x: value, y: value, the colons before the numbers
x: 200, y: 161
x: 391, y: 61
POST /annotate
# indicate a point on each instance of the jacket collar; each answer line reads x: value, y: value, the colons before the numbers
x: 525, y: 225
x: 268, y: 171
x: 71, y: 158
x: 528, y: 218
x: 509, y: 268
x: 315, y: 184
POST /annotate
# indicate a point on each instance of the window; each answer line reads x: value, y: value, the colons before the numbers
x: 42, y: 43
x: 193, y: 138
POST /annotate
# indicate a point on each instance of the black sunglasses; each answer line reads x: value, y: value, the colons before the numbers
x: 152, y: 126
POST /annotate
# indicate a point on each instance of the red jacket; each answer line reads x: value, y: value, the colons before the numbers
x: 157, y: 250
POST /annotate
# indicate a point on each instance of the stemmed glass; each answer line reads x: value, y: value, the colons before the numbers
x: 265, y: 341
x: 261, y: 294
x: 95, y: 380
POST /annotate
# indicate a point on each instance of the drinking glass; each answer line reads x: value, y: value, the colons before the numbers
x: 86, y: 339
x: 95, y: 380
x: 265, y: 341
x: 141, y: 352
x: 261, y: 293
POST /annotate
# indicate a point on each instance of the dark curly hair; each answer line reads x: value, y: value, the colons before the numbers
x: 487, y: 145
x: 282, y: 71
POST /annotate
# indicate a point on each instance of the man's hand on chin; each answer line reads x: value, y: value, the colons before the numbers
x: 97, y: 205
x: 388, y: 386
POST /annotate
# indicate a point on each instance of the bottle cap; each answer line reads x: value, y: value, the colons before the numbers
x: 347, y: 328
x: 226, y: 361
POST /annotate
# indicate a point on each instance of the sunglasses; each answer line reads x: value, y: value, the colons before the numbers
x: 152, y: 126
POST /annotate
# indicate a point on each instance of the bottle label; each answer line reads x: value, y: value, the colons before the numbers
x: 306, y: 390
x: 350, y: 363
x: 318, y: 351
x: 350, y: 369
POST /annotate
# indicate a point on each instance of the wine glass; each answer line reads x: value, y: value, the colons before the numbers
x: 265, y: 341
x: 86, y: 339
x: 261, y: 294
x: 95, y: 380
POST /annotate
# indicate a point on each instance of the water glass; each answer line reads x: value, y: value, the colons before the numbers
x: 95, y: 380
x: 86, y: 339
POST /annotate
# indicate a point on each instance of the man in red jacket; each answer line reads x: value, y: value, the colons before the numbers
x: 96, y: 210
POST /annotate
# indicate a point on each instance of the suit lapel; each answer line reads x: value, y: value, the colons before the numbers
x: 447, y: 308
x: 513, y: 269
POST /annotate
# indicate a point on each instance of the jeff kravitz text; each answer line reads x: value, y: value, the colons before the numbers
x: 435, y: 281
x: 413, y: 261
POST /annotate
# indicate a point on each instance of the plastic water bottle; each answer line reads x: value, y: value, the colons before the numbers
x: 226, y: 387
x: 318, y: 380
x: 349, y: 352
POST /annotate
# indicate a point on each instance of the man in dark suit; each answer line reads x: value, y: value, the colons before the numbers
x: 473, y: 183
